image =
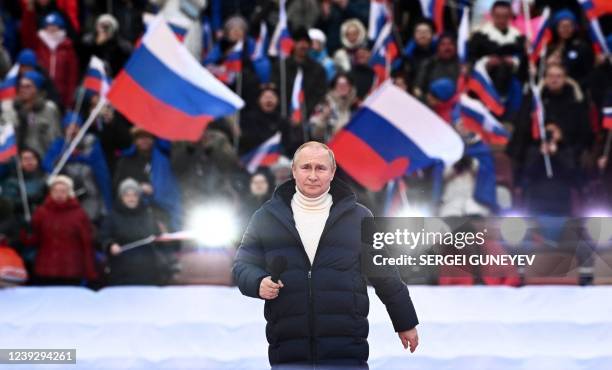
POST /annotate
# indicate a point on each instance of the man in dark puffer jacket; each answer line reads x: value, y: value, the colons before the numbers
x: 317, y: 312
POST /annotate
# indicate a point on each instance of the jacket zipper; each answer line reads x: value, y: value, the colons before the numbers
x: 311, y: 319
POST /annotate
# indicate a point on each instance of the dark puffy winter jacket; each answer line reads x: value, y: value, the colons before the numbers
x: 320, y: 315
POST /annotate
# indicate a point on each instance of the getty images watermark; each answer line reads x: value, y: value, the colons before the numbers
x: 425, y: 249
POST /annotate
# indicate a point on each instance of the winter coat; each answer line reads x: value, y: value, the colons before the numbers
x: 320, y: 316
x: 35, y: 128
x: 61, y: 63
x: 63, y: 234
x: 138, y: 266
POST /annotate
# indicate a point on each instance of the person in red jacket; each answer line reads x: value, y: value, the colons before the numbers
x: 56, y: 54
x: 63, y: 234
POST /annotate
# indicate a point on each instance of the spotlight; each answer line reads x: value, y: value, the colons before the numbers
x: 213, y: 225
x: 513, y: 229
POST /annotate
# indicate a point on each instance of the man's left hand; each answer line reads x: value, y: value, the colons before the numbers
x: 409, y: 337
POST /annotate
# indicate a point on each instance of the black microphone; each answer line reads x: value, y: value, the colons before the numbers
x: 277, y: 267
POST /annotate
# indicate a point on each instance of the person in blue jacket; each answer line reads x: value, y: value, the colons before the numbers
x: 317, y: 311
x: 86, y: 166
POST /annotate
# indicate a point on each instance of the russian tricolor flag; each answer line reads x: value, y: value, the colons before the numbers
x: 384, y: 53
x: 393, y: 134
x: 164, y: 89
x: 260, y: 42
x: 543, y: 36
x: 297, y: 98
x: 463, y: 35
x: 480, y: 83
x: 232, y: 64
x: 476, y: 118
x: 379, y: 14
x: 282, y: 43
x: 537, y: 115
x: 596, y: 8
x: 607, y: 118
x: 178, y: 24
x: 8, y: 87
x: 8, y: 144
x: 264, y: 155
x: 96, y: 80
x: 434, y: 9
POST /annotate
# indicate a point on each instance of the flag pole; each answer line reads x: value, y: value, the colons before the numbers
x: 283, y: 85
x: 540, y: 118
x: 22, y: 190
x: 237, y: 115
x: 92, y: 116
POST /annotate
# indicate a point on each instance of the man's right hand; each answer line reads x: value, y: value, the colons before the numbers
x: 269, y: 289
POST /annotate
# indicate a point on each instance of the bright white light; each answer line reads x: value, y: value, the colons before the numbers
x: 513, y: 230
x: 409, y: 211
x: 213, y: 225
x: 599, y: 229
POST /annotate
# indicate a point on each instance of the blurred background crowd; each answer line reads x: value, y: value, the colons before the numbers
x: 123, y: 185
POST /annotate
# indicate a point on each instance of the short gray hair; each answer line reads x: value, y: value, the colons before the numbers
x: 317, y: 144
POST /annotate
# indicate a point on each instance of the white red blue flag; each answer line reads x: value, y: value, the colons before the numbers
x: 393, y: 134
x: 8, y: 144
x: 166, y: 91
x: 297, y: 98
x: 480, y: 84
x: 96, y: 80
x: 282, y: 43
x: 264, y: 155
x: 475, y: 117
x: 8, y: 87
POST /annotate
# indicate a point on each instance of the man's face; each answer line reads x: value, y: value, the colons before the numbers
x: 26, y: 90
x: 423, y: 35
x: 446, y: 49
x: 362, y: 56
x: 235, y: 34
x: 501, y: 17
x: 268, y: 101
x: 29, y: 162
x: 554, y: 79
x: 313, y: 171
x: 301, y: 48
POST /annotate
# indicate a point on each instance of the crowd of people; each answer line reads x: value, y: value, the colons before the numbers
x: 122, y: 184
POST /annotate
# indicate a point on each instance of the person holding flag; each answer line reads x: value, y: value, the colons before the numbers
x: 313, y: 75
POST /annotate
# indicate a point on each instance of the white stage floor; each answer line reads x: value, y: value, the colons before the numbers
x: 208, y: 327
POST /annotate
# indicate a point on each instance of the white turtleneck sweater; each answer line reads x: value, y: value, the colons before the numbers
x: 310, y: 215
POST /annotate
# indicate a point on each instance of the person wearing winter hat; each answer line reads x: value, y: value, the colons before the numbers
x: 352, y: 35
x: 569, y: 49
x: 314, y: 78
x: 105, y: 43
x: 318, y: 52
x: 63, y: 234
x: 36, y: 119
x: 129, y: 221
x: 56, y: 54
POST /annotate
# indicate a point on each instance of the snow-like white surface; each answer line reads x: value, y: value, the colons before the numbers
x: 210, y: 327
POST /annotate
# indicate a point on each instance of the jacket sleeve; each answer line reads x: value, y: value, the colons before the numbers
x: 249, y: 264
x: 390, y: 288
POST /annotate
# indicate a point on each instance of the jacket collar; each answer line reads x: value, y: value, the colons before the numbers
x: 344, y: 199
